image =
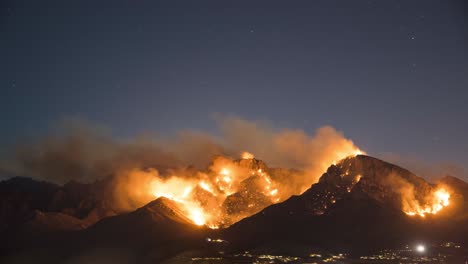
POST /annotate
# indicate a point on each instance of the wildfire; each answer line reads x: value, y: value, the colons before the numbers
x: 358, y: 178
x: 180, y: 191
x: 225, y: 172
x: 202, y: 196
x: 352, y: 153
x: 202, y: 199
x: 198, y: 217
x: 438, y: 200
x: 205, y: 186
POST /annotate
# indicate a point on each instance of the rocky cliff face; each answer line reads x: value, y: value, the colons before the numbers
x: 379, y: 180
x: 383, y: 181
x: 250, y: 198
x: 356, y: 203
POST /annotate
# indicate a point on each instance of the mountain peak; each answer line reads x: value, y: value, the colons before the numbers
x: 373, y: 170
x: 164, y: 209
x: 357, y: 195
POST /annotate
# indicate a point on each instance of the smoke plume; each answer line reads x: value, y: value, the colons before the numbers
x: 183, y: 166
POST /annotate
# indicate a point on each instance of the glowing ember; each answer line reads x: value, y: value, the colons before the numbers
x: 439, y: 199
x: 358, y: 178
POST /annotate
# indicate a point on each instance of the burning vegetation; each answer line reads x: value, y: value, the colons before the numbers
x: 436, y: 201
x: 225, y: 193
x: 392, y: 185
x: 226, y: 190
x: 181, y: 167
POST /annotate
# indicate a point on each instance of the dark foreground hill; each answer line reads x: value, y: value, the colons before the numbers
x: 24, y: 200
x: 147, y: 235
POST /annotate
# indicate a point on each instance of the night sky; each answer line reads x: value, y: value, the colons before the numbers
x: 392, y: 75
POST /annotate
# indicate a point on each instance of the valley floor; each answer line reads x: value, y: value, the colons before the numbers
x: 443, y: 253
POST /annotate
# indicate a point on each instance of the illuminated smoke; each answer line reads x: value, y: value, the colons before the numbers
x: 247, y: 155
x: 217, y: 191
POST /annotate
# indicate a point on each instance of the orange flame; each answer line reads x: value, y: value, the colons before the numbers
x: 202, y: 197
x: 439, y: 199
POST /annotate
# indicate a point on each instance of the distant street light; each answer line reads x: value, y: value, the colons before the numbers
x: 420, y: 248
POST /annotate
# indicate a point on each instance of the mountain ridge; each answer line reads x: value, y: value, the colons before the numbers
x: 351, y: 195
x: 353, y: 207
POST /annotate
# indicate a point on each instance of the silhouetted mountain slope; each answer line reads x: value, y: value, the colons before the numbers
x: 355, y: 205
x: 45, y: 222
x: 152, y: 232
x: 20, y: 198
x: 159, y: 216
x: 146, y: 235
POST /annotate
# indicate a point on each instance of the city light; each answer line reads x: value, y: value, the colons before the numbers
x: 420, y: 248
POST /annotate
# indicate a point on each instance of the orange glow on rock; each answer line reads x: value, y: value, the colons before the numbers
x: 217, y: 197
x: 439, y: 199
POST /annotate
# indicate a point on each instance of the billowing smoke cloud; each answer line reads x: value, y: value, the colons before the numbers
x: 288, y: 148
x: 185, y: 162
x: 82, y: 151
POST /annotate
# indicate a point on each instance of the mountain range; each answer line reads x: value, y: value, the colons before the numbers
x: 356, y: 206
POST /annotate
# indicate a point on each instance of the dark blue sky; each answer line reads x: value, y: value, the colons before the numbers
x: 392, y: 75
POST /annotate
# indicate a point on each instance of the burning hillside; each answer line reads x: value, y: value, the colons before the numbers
x: 225, y: 193
x: 231, y: 190
x: 395, y: 186
x: 437, y: 200
x: 360, y: 201
x: 211, y: 191
x: 242, y: 201
x: 223, y: 190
